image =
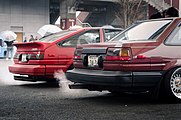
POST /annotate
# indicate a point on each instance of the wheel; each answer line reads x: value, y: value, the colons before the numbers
x: 172, y: 84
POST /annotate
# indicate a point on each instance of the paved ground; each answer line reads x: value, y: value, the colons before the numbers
x: 42, y: 101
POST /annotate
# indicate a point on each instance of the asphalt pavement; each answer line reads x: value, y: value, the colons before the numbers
x: 43, y: 101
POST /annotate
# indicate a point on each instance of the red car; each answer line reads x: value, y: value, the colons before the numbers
x: 144, y: 57
x: 39, y: 60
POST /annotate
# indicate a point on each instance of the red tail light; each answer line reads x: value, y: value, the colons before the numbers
x: 118, y: 54
x: 35, y: 56
x: 24, y: 57
x: 77, y: 54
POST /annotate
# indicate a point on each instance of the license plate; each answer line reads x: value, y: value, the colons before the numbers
x: 92, y: 60
x: 23, y: 59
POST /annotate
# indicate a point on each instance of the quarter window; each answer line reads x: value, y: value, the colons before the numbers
x: 110, y: 33
x: 175, y: 37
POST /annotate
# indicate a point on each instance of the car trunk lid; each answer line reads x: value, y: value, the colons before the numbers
x: 119, y: 55
x: 30, y: 52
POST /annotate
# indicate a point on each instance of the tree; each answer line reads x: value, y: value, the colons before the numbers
x: 129, y: 11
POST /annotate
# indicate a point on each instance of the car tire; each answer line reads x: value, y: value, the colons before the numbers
x: 172, y: 84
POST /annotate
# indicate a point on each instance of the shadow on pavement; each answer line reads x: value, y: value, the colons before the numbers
x: 131, y: 99
x: 40, y: 85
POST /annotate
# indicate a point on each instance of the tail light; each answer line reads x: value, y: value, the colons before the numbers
x: 16, y: 56
x: 35, y: 56
x: 118, y: 54
x: 32, y: 56
x: 77, y: 54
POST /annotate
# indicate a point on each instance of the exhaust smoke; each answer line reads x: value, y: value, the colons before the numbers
x: 64, y: 83
x: 59, y: 75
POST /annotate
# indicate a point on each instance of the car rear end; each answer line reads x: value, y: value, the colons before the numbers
x: 125, y: 64
x: 29, y: 61
x: 111, y: 68
x: 39, y: 60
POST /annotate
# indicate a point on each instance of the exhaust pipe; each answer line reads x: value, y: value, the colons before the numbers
x: 84, y: 86
x: 78, y: 86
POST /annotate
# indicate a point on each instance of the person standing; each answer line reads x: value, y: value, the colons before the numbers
x: 25, y: 40
x: 9, y: 53
x: 31, y: 38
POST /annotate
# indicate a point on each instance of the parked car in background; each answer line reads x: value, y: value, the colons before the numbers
x: 144, y: 57
x: 39, y: 60
x: 3, y: 49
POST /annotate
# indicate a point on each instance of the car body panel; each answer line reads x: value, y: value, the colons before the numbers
x: 28, y: 69
x: 3, y: 49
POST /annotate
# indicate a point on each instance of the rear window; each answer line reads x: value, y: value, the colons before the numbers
x: 54, y: 37
x: 149, y: 30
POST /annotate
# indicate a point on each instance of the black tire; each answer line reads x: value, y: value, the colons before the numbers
x: 71, y: 67
x: 172, y: 85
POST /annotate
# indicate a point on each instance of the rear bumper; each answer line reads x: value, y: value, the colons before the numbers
x: 97, y: 77
x: 34, y: 70
x: 33, y: 78
x: 116, y: 79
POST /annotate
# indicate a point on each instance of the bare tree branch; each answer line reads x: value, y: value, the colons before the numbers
x: 129, y: 11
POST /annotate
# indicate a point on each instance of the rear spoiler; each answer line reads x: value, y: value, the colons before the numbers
x: 31, y: 46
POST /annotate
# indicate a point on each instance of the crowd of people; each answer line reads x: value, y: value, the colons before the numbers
x: 31, y: 39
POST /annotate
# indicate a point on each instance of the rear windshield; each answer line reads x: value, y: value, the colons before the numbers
x: 54, y: 37
x: 148, y: 30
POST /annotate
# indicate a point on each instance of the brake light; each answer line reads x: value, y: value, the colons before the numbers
x: 118, y: 54
x: 77, y: 54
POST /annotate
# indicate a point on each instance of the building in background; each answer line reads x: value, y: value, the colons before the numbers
x: 24, y: 17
